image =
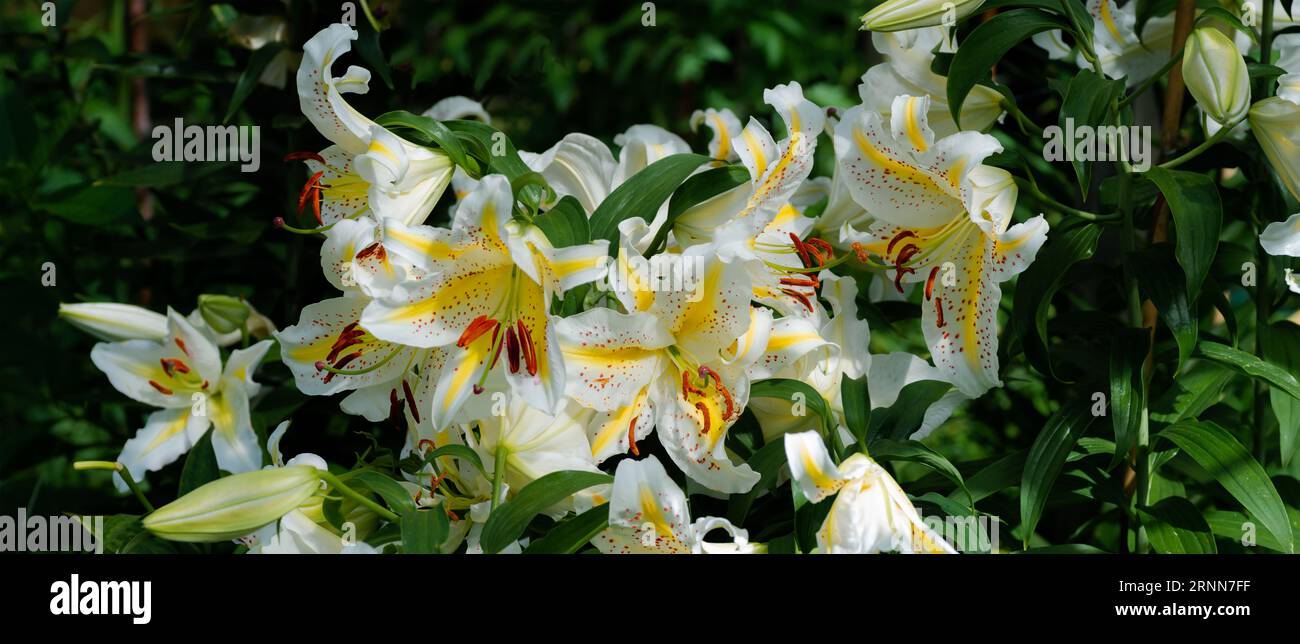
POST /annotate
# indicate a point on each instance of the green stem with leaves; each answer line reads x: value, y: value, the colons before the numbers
x: 499, y: 474
x: 343, y: 489
x: 1032, y: 189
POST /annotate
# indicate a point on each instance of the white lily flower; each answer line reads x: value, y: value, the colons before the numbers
x: 534, y: 444
x: 870, y: 513
x: 724, y: 124
x: 458, y: 107
x: 944, y: 218
x: 182, y: 374
x: 822, y: 356
x: 115, y: 322
x: 368, y: 167
x: 908, y: 56
x: 1288, y: 85
x: 1121, y: 53
x: 648, y: 514
x: 1275, y: 123
x: 1282, y: 238
x: 296, y: 532
x: 783, y: 266
x: 582, y: 166
x: 776, y: 171
x: 673, y: 365
x: 488, y: 291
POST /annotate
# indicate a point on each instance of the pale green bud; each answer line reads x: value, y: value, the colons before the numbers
x: 1216, y: 75
x: 223, y: 313
x: 115, y: 322
x: 234, y: 506
x: 901, y: 15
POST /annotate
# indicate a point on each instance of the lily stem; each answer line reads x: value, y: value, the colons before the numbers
x: 343, y: 489
x: 1205, y: 145
x: 121, y: 470
x: 1033, y: 190
x: 499, y: 474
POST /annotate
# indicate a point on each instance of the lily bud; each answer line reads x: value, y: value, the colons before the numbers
x: 1276, y: 124
x: 115, y: 322
x: 901, y: 15
x: 223, y: 313
x: 234, y: 506
x: 1216, y: 75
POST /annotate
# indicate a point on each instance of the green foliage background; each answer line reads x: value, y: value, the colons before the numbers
x: 76, y: 180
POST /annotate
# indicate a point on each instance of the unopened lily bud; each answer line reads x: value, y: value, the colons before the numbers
x: 901, y: 15
x: 115, y: 322
x: 1216, y: 75
x: 1276, y: 124
x: 223, y: 313
x: 234, y: 506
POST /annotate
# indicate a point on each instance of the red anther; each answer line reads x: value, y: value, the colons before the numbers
x: 528, y: 349
x: 343, y: 362
x: 798, y: 246
x: 907, y: 253
x: 161, y: 389
x: 803, y: 299
x: 181, y: 344
x: 371, y: 250
x: 795, y: 281
x: 419, y: 446
x: 410, y: 401
x: 278, y: 222
x: 938, y: 309
x: 394, y: 405
x: 889, y: 250
x: 478, y: 389
x: 816, y: 254
x: 481, y: 324
x: 704, y: 411
x: 512, y: 350
x: 303, y: 155
x: 631, y: 436
x: 349, y: 328
x: 493, y: 346
x: 899, y: 272
x: 174, y: 364
x: 307, y: 189
x: 822, y: 245
x: 343, y: 342
x: 929, y: 282
x: 204, y: 385
x: 315, y: 205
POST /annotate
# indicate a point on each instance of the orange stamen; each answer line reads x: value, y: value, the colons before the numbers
x: 704, y: 411
x: 161, y: 389
x: 631, y: 436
